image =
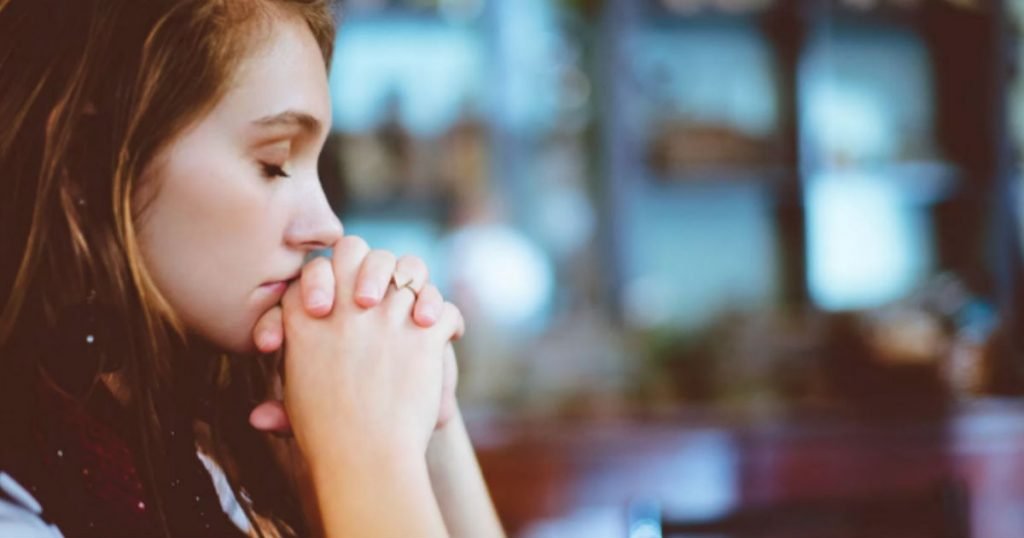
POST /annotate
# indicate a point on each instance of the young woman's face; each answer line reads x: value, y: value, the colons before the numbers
x: 235, y: 202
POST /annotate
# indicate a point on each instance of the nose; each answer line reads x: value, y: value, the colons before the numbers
x: 314, y: 225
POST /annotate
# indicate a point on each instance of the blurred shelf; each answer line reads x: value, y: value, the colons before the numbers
x: 683, y: 10
x: 902, y: 12
x: 919, y: 182
x: 886, y: 10
x: 922, y: 182
x: 769, y: 178
x: 403, y: 209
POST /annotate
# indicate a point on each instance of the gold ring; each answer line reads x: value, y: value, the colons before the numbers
x: 407, y: 286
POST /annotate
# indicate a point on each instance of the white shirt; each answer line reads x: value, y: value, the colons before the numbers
x: 19, y: 512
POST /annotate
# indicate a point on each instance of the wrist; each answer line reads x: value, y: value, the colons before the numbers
x: 352, y: 458
x: 446, y: 445
x: 386, y: 491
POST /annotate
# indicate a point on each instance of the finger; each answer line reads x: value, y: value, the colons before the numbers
x: 318, y: 286
x: 349, y: 253
x: 428, y: 306
x: 460, y: 322
x: 447, y: 410
x: 450, y: 380
x: 268, y: 334
x: 291, y: 303
x: 270, y: 416
x: 399, y: 302
x: 450, y: 324
x: 411, y: 271
x: 374, y: 276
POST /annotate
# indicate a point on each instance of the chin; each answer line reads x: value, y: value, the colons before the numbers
x: 228, y: 329
x: 238, y: 342
x: 242, y: 344
x: 248, y: 347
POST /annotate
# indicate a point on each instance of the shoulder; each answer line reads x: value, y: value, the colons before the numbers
x: 20, y: 513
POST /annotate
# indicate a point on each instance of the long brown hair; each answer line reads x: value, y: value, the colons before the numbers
x: 90, y: 92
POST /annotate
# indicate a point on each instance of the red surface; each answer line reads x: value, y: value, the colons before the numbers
x: 540, y: 471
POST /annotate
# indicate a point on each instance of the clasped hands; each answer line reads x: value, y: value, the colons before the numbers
x: 367, y: 340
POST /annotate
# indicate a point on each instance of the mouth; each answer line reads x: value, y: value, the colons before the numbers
x: 282, y: 282
x: 286, y: 280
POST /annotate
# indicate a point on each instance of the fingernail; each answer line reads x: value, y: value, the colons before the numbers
x: 318, y: 299
x: 430, y: 312
x: 266, y: 340
x: 368, y: 291
x: 260, y: 421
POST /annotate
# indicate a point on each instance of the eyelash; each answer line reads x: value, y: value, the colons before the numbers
x: 271, y: 171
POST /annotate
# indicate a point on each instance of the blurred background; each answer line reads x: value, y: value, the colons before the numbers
x: 731, y: 267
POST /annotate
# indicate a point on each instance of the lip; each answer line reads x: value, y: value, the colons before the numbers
x: 274, y: 290
x: 287, y: 280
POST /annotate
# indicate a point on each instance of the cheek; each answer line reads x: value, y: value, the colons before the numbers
x: 205, y: 239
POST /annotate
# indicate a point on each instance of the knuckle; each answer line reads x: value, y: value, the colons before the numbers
x: 449, y: 311
x: 320, y: 264
x: 290, y: 299
x: 414, y: 263
x: 262, y: 325
x: 318, y: 270
x: 384, y: 257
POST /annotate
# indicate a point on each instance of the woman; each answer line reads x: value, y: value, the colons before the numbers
x: 159, y: 199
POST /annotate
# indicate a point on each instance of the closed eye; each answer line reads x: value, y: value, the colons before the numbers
x: 271, y: 171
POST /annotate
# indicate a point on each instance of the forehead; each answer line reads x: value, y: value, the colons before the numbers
x: 284, y: 72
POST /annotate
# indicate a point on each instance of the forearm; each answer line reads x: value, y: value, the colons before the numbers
x: 372, y: 495
x: 459, y: 485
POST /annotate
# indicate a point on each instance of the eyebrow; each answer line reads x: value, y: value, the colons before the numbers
x: 289, y: 118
